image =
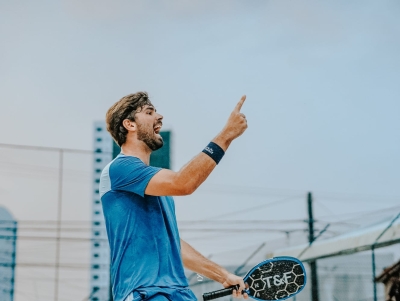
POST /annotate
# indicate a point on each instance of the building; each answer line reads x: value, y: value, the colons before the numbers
x: 8, y: 241
x: 105, y: 150
x: 100, y: 253
x: 348, y: 277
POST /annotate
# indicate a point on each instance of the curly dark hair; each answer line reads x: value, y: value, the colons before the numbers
x: 125, y: 108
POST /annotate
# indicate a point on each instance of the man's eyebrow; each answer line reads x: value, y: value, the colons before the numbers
x: 151, y: 108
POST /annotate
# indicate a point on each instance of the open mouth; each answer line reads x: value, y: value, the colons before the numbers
x: 157, y: 128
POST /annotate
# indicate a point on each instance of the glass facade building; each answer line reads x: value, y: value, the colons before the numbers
x: 8, y: 243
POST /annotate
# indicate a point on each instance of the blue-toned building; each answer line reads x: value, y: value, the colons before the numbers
x: 8, y: 243
x: 100, y: 253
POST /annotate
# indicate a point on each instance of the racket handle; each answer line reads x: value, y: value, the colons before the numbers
x: 220, y: 293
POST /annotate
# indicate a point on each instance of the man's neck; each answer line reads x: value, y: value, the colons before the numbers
x: 138, y: 149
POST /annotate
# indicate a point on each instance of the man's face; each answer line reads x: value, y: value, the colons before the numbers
x: 149, y: 124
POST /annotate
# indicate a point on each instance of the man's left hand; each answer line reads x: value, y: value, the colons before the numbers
x: 232, y: 279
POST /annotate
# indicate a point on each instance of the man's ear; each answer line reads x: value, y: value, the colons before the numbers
x: 129, y: 125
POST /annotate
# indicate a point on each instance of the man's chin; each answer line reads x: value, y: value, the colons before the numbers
x: 159, y: 143
x: 157, y: 147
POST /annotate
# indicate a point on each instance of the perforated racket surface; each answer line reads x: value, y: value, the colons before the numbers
x: 277, y: 278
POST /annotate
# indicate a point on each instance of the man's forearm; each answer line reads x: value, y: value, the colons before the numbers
x: 197, y: 170
x: 194, y: 173
x: 196, y: 262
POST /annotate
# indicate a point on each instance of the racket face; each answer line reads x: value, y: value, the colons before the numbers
x: 278, y: 278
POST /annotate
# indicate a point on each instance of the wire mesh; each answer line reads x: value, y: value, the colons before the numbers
x: 57, y: 215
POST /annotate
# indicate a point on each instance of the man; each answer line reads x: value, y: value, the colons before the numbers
x: 147, y: 255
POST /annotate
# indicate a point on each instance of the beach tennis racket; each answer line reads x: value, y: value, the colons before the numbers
x: 277, y: 278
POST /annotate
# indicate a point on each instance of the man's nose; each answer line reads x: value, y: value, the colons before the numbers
x: 159, y: 116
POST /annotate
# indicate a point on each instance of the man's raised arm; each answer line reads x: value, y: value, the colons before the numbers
x: 194, y: 173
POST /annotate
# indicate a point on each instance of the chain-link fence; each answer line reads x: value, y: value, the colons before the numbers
x: 50, y: 193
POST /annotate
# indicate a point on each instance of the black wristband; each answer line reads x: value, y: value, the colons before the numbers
x: 214, y: 151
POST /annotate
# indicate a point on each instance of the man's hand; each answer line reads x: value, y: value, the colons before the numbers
x: 196, y: 262
x: 234, y: 127
x: 232, y: 279
x: 193, y: 174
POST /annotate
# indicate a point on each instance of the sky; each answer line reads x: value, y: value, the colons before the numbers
x: 322, y: 86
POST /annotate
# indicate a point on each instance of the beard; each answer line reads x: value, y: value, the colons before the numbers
x: 151, y: 139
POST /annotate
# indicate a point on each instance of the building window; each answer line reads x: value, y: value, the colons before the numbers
x: 97, y: 180
x: 97, y: 212
x: 96, y: 255
x: 97, y: 202
x: 96, y: 244
x: 95, y: 277
x: 97, y: 233
x: 99, y: 139
x: 98, y: 170
x: 96, y: 266
x: 98, y: 150
x: 96, y: 223
x: 96, y: 191
x: 98, y: 159
x: 99, y: 129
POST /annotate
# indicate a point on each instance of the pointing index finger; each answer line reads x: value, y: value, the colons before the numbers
x: 240, y: 103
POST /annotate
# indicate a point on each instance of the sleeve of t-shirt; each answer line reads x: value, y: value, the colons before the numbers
x: 131, y: 174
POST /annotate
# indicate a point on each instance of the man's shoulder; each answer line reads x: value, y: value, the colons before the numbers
x: 118, y: 170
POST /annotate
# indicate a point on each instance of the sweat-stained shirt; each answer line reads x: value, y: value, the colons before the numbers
x: 142, y: 230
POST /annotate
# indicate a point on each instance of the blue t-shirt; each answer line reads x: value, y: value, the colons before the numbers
x: 142, y: 230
